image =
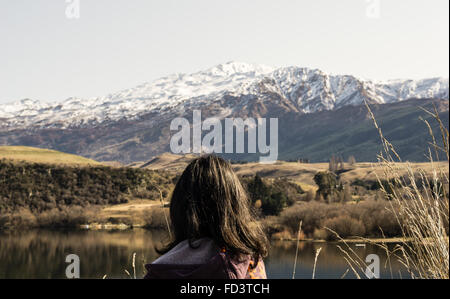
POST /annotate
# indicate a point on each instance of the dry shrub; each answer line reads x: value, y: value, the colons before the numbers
x: 156, y: 218
x: 311, y: 214
x: 66, y: 217
x: 377, y: 217
x: 320, y: 234
x: 345, y: 226
x: 367, y: 218
x: 283, y: 235
x: 20, y: 219
x: 310, y: 195
x: 271, y: 225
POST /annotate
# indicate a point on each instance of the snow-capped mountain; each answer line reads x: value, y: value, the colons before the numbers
x: 307, y: 90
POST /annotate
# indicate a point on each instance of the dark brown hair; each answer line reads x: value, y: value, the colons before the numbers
x: 209, y: 202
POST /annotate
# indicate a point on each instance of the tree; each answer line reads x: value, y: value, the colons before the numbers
x: 327, y: 183
x: 351, y: 160
x: 267, y: 198
x: 333, y: 164
x: 336, y: 164
x: 257, y: 189
x: 273, y: 204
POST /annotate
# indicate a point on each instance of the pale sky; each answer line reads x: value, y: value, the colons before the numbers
x: 118, y: 44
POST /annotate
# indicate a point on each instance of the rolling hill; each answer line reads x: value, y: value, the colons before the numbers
x: 37, y: 155
x: 300, y: 173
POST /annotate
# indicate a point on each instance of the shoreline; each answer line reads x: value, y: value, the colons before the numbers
x: 125, y: 227
x: 356, y: 240
x: 351, y: 241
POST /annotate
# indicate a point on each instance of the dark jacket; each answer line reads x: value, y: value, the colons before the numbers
x: 205, y: 261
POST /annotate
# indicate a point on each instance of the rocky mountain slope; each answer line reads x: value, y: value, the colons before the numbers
x: 297, y: 89
x: 319, y: 114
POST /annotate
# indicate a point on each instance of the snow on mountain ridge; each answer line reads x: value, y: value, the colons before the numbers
x: 310, y: 90
x: 181, y: 86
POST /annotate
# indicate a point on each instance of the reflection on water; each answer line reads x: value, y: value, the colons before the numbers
x: 330, y: 263
x: 41, y: 254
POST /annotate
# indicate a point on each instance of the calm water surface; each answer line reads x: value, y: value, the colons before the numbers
x: 42, y: 253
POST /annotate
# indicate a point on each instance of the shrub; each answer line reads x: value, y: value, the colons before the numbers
x: 311, y: 214
x: 320, y: 234
x: 367, y: 218
x: 65, y: 217
x: 345, y: 227
x: 21, y: 219
x: 310, y: 195
x: 54, y: 218
x: 155, y: 218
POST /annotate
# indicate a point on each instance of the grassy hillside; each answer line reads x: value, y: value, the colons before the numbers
x: 37, y: 194
x: 41, y: 187
x: 37, y: 155
x: 300, y: 173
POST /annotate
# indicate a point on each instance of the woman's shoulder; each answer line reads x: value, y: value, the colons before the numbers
x: 243, y: 266
x: 203, y: 259
x: 190, y: 252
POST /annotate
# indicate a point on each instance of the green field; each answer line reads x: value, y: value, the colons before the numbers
x: 37, y: 155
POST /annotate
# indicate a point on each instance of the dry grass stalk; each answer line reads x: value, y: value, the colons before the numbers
x: 134, y: 265
x: 421, y: 208
x: 161, y: 200
x: 345, y: 274
x: 296, y: 252
x: 315, y: 262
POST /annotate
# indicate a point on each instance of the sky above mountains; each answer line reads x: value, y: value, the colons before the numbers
x: 117, y: 44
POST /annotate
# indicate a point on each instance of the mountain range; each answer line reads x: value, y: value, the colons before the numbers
x: 319, y: 114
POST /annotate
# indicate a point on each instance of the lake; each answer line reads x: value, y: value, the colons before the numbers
x: 42, y: 254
